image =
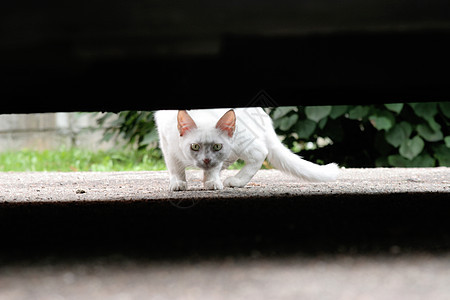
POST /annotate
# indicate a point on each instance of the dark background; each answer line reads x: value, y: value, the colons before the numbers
x: 123, y: 55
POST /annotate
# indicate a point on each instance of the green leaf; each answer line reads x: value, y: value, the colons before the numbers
x: 445, y: 108
x: 150, y: 137
x: 399, y: 133
x: 433, y: 124
x: 322, y: 123
x: 447, y: 141
x: 358, y: 112
x: 429, y: 134
x: 410, y: 148
x: 382, y: 120
x: 305, y: 128
x: 317, y: 113
x: 100, y: 121
x: 395, y: 107
x: 107, y: 136
x: 421, y: 161
x: 287, y: 122
x: 337, y: 111
x: 425, y: 110
x: 282, y: 111
x: 442, y: 153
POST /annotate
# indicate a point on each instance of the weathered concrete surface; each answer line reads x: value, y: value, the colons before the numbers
x: 373, y: 234
x: 126, y: 186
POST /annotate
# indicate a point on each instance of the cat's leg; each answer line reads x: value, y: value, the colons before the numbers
x: 253, y: 163
x: 176, y: 168
x: 211, y: 179
x: 177, y: 174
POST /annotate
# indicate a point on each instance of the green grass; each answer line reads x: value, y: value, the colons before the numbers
x: 74, y: 159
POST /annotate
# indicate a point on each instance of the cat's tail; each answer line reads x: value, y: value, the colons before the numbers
x: 284, y: 160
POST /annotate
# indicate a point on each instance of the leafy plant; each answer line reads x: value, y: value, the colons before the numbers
x: 396, y: 134
x: 137, y: 128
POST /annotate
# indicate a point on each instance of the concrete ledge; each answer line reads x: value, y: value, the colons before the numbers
x: 80, y: 187
x: 373, y: 234
x: 370, y: 210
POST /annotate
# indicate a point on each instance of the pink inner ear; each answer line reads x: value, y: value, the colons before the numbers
x: 227, y: 123
x: 185, y: 122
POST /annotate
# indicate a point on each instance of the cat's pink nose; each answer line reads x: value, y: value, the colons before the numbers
x: 206, y: 161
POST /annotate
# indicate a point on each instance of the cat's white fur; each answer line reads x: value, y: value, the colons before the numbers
x: 253, y: 140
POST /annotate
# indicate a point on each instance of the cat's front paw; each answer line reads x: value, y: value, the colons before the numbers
x: 213, y: 185
x: 177, y: 185
x: 234, y: 182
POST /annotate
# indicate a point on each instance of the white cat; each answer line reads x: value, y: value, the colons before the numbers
x: 212, y: 139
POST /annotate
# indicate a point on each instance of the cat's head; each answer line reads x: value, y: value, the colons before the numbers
x: 207, y: 147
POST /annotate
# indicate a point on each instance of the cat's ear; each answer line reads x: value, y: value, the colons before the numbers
x: 227, y: 123
x: 185, y: 122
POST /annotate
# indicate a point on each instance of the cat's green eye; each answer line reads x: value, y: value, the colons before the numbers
x: 217, y: 147
x: 195, y: 147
